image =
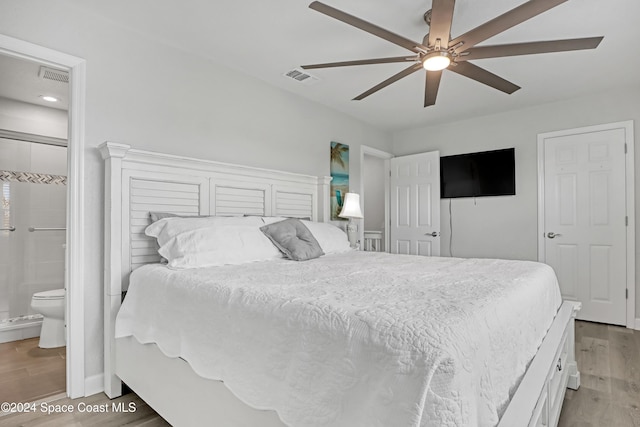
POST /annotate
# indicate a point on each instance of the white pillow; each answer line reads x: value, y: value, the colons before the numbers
x: 167, y: 228
x: 211, y: 241
x: 332, y: 240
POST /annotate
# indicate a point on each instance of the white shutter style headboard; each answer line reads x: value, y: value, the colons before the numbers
x: 138, y: 182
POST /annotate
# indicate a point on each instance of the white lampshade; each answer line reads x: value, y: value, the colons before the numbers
x: 351, y: 206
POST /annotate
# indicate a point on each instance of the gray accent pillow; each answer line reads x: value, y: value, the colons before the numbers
x: 293, y: 239
x: 157, y: 216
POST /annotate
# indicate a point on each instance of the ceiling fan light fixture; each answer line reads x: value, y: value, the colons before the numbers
x: 436, y: 61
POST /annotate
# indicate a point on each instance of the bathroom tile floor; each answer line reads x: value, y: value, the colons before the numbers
x: 29, y: 373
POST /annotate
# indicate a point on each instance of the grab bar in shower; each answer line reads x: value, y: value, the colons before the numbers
x: 32, y: 229
x: 8, y: 229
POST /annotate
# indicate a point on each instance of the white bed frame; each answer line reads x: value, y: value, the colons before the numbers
x: 137, y: 182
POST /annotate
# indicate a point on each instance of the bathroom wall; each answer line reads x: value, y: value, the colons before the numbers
x: 20, y: 116
x: 43, y: 259
x: 31, y: 261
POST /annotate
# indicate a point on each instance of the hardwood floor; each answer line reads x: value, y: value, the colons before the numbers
x: 29, y: 373
x: 609, y: 363
x: 609, y: 395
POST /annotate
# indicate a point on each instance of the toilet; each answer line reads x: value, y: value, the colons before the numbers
x: 51, y: 305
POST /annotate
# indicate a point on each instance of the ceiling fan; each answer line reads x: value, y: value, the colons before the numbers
x: 439, y: 51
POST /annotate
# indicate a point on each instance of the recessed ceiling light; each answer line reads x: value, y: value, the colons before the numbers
x: 49, y: 98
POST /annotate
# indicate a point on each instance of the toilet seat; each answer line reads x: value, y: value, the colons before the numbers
x: 49, y: 295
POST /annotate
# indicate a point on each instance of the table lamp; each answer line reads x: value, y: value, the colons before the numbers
x: 351, y: 210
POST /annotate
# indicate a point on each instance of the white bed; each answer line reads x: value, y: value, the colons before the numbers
x: 364, y: 328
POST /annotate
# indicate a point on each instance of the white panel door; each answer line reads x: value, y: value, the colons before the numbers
x: 585, y: 230
x: 415, y: 204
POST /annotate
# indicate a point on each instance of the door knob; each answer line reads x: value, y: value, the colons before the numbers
x: 552, y: 235
x: 434, y: 234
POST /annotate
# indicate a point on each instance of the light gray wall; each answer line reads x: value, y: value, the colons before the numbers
x: 155, y: 97
x: 506, y: 227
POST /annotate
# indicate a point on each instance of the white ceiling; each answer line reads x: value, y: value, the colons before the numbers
x: 20, y: 81
x: 265, y: 39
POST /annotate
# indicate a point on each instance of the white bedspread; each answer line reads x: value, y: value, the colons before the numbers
x: 356, y: 339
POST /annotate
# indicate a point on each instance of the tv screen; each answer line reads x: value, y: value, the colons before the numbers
x: 489, y: 173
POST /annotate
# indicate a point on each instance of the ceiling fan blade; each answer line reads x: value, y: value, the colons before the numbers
x: 404, y: 73
x: 362, y: 62
x: 503, y: 22
x: 441, y: 17
x: 481, y: 75
x: 431, y: 87
x: 367, y: 26
x: 498, y: 51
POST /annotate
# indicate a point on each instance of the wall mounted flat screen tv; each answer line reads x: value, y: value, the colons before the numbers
x: 488, y: 173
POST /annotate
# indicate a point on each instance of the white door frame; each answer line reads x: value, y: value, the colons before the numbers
x: 627, y: 126
x: 374, y: 152
x: 74, y: 268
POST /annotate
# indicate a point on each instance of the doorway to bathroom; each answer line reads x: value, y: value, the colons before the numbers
x: 33, y: 213
x: 374, y: 190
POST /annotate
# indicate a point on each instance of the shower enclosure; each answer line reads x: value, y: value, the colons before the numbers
x: 33, y: 194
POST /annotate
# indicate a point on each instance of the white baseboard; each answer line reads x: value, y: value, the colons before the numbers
x: 637, y: 325
x: 93, y: 385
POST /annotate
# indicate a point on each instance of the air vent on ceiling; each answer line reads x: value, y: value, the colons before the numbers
x: 301, y: 76
x: 53, y: 74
